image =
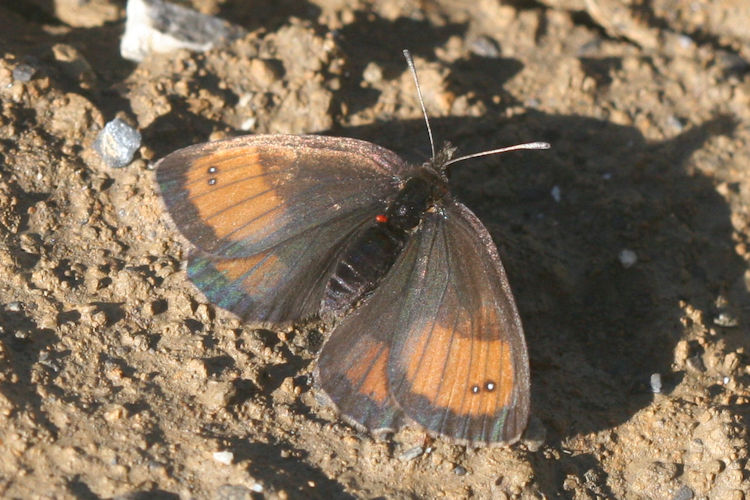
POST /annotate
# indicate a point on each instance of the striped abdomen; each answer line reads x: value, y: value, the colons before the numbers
x: 368, y: 258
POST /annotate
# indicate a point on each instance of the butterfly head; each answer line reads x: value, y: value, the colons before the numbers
x: 441, y: 158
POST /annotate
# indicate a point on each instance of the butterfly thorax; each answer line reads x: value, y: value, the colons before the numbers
x: 370, y: 254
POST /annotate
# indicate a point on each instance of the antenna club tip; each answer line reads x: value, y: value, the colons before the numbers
x: 532, y: 145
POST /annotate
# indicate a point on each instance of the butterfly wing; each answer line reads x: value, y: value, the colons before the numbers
x: 460, y: 368
x: 241, y: 196
x: 269, y: 215
x: 440, y: 342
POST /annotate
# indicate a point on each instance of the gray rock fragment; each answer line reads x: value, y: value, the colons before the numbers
x: 117, y: 143
x: 161, y: 27
x: 23, y: 73
x: 656, y: 385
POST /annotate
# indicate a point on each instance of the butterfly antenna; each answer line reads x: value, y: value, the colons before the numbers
x: 410, y: 62
x: 528, y: 145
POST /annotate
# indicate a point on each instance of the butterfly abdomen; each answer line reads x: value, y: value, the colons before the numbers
x: 368, y: 258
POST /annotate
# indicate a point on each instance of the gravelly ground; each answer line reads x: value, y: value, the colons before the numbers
x: 118, y: 379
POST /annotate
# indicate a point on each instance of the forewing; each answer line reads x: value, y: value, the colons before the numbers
x: 239, y: 197
x: 270, y: 215
x: 458, y: 363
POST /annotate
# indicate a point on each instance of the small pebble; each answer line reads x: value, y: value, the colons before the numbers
x: 684, y: 493
x: 233, y: 492
x: 248, y: 124
x: 628, y: 258
x: 656, y: 383
x: 485, y: 46
x: 224, y: 457
x: 556, y: 193
x: 23, y: 73
x: 411, y: 453
x: 162, y: 27
x: 726, y: 320
x: 686, y: 42
x: 117, y: 143
x: 675, y: 123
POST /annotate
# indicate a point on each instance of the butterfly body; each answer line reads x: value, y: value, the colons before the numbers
x: 426, y: 330
x: 369, y: 257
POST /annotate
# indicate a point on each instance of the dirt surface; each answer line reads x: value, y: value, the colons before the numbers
x: 626, y: 246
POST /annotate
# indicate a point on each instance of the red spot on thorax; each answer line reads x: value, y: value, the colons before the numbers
x: 381, y: 218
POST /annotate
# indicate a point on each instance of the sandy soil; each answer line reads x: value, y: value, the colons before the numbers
x: 118, y: 380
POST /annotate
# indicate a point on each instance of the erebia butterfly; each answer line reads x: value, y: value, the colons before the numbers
x: 425, y: 328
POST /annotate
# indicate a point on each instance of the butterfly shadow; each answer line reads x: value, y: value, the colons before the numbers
x: 270, y: 17
x: 178, y: 128
x: 364, y: 44
x: 280, y: 467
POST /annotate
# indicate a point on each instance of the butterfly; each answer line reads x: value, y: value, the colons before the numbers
x: 425, y: 327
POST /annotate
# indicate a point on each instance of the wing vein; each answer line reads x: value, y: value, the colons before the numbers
x: 448, y: 273
x: 302, y: 195
x: 467, y: 382
x: 432, y: 329
x: 222, y: 186
x: 240, y: 202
